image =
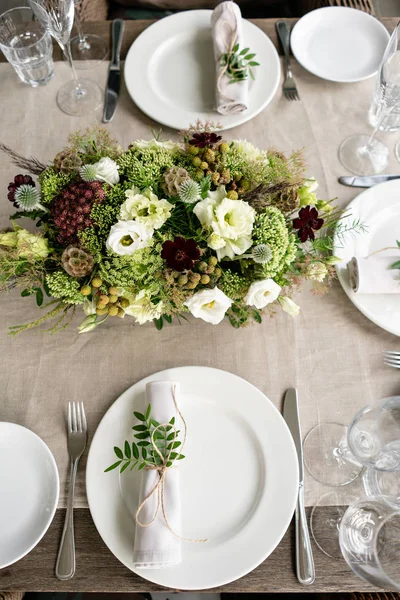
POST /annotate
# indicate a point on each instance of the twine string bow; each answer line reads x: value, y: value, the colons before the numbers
x: 166, y: 463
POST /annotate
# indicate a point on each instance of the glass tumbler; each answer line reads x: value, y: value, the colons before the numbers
x: 27, y: 46
x: 369, y: 538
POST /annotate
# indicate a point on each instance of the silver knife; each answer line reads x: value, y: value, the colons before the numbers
x: 366, y: 181
x: 304, y: 559
x: 114, y: 73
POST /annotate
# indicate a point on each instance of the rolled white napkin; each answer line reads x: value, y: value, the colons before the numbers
x: 156, y: 546
x: 374, y: 275
x: 226, y: 23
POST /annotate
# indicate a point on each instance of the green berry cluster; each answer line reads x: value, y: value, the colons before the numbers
x: 110, y: 303
x: 212, y: 162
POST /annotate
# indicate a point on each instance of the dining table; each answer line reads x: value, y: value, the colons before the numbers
x: 330, y: 352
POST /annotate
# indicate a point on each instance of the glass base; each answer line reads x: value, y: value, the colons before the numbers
x: 325, y: 521
x: 327, y: 457
x: 360, y: 160
x: 88, y: 99
x: 397, y: 151
x: 88, y: 54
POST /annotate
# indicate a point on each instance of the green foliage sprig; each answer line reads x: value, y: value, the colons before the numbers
x: 141, y: 453
x: 396, y: 265
x: 239, y: 64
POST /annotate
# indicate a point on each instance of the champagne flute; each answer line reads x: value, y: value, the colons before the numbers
x: 364, y: 154
x: 79, y: 96
x: 87, y: 50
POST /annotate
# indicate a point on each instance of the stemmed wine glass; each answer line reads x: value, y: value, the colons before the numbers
x: 335, y: 455
x: 363, y: 154
x: 78, y: 96
x: 87, y: 49
x: 369, y: 538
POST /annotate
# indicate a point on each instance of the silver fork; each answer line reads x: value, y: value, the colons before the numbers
x: 391, y: 358
x: 289, y: 86
x: 77, y: 438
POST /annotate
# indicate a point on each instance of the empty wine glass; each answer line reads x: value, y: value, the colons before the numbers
x: 78, y: 96
x: 369, y: 538
x: 87, y: 50
x: 363, y: 154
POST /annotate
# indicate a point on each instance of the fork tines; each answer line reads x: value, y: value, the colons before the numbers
x: 76, y: 417
x: 391, y: 358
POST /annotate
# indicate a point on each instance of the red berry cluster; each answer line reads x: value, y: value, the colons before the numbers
x: 70, y: 210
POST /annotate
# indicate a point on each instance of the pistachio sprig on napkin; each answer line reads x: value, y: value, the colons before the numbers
x: 239, y: 64
x: 141, y: 454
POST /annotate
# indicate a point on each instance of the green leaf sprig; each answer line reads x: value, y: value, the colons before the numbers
x: 239, y: 64
x: 141, y: 454
x: 396, y: 265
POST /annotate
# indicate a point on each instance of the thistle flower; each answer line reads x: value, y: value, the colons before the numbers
x: 27, y: 197
x: 189, y: 191
x: 88, y: 172
x: 261, y: 254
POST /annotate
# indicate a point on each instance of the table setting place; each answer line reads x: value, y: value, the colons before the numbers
x: 181, y: 362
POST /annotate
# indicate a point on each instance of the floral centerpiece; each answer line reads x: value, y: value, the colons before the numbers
x: 207, y: 227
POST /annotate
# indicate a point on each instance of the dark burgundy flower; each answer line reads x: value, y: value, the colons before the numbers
x: 180, y: 254
x: 307, y: 222
x: 14, y: 185
x: 204, y: 139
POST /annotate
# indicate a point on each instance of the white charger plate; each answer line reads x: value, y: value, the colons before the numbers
x: 170, y: 71
x: 339, y: 43
x: 29, y: 487
x: 239, y: 480
x: 378, y: 208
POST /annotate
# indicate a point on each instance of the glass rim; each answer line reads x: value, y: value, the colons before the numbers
x: 20, y: 8
x: 393, y: 582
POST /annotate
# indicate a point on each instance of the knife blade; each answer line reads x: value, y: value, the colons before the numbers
x: 114, y: 72
x: 366, y: 181
x: 305, y: 570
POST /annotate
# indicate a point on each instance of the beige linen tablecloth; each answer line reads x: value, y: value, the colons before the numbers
x: 330, y: 352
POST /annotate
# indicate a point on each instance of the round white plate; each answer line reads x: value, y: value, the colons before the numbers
x: 378, y: 208
x: 29, y: 487
x: 170, y: 71
x: 239, y: 480
x: 339, y: 43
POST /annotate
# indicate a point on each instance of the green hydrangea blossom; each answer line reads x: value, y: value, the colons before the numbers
x: 138, y: 271
x: 270, y: 228
x: 51, y: 183
x: 145, y: 168
x: 64, y: 287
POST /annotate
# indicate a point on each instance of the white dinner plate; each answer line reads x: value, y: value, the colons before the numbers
x: 170, y: 71
x: 339, y: 43
x: 29, y: 487
x: 239, y: 480
x: 378, y: 208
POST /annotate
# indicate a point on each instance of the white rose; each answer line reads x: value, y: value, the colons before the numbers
x: 289, y: 306
x: 143, y: 144
x: 231, y: 221
x: 143, y: 309
x: 145, y: 208
x: 250, y: 151
x: 107, y: 170
x: 261, y: 293
x: 209, y: 305
x: 126, y: 237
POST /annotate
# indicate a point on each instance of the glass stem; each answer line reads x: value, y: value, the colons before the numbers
x: 67, y: 52
x: 385, y: 112
x: 83, y: 43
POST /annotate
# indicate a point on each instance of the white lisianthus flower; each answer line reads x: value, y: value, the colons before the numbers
x: 142, y: 308
x: 145, y: 208
x: 289, y: 306
x: 126, y: 237
x: 248, y: 149
x: 230, y: 220
x: 261, y: 293
x: 311, y: 183
x: 89, y: 307
x: 144, y: 144
x: 209, y: 305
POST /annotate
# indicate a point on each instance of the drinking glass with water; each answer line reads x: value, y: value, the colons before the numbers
x: 27, y: 46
